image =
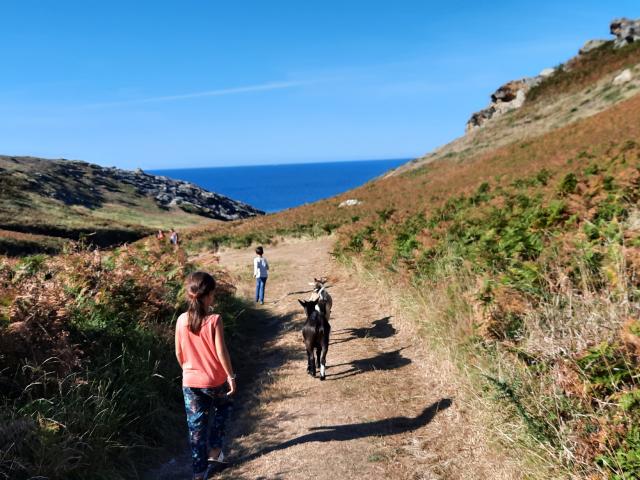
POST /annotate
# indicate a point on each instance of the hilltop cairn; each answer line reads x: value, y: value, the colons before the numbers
x: 512, y: 95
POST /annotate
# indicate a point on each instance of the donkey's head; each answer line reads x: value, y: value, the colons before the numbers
x: 317, y: 284
x: 309, y: 306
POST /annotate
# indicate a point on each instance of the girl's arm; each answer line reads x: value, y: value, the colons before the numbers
x: 178, y: 348
x: 223, y: 356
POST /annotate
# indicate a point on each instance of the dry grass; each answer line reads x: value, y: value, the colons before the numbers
x: 89, y: 379
x: 533, y: 348
x: 585, y: 70
x: 377, y: 372
x: 546, y: 114
x: 428, y: 188
x: 444, y: 319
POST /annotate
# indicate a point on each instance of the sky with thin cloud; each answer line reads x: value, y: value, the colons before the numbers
x: 167, y: 84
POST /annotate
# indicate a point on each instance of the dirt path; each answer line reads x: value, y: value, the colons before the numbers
x: 386, y: 410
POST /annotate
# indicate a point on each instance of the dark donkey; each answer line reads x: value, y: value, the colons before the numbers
x: 316, y: 337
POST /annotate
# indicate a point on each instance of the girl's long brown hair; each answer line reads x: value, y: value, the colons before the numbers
x: 198, y: 286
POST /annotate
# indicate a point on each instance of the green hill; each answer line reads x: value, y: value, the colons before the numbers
x: 62, y: 199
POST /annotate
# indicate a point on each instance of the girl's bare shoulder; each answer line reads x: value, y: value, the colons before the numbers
x: 182, y: 319
x: 214, y: 319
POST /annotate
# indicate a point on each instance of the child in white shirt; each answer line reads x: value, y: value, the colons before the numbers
x: 260, y: 272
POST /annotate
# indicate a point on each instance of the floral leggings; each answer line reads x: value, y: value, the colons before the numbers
x: 208, y: 410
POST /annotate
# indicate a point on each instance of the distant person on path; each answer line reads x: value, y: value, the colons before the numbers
x: 260, y: 272
x: 173, y: 238
x: 208, y: 381
x: 160, y: 236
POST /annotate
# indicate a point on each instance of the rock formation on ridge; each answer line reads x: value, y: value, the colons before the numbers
x: 512, y: 95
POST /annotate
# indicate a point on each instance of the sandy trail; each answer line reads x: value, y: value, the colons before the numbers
x: 386, y: 409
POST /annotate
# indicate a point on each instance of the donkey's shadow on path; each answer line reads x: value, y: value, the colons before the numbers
x: 353, y: 431
x: 382, y: 361
x: 380, y: 329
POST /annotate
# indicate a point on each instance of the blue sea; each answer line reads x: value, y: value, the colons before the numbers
x: 277, y: 187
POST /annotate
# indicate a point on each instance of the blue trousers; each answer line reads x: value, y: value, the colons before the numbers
x: 261, y: 282
x: 208, y: 410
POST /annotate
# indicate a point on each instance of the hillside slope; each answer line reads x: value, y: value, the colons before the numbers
x: 69, y: 199
x: 584, y: 86
x: 524, y: 237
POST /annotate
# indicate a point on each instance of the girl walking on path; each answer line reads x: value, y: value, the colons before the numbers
x: 260, y: 272
x: 208, y: 381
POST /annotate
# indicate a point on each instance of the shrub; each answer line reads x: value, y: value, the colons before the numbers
x: 568, y: 184
x: 89, y: 379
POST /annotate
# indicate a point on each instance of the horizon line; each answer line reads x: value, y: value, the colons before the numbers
x: 386, y: 159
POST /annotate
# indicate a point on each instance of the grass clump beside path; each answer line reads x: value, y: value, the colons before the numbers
x: 90, y: 385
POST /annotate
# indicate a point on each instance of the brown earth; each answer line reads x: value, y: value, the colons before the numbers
x: 388, y: 408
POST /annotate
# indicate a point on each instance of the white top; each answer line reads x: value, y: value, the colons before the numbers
x: 260, y: 267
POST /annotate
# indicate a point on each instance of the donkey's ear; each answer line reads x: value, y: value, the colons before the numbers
x: 316, y: 280
x: 303, y: 303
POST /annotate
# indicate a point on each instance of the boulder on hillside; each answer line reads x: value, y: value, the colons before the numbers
x: 626, y: 31
x: 591, y: 45
x: 624, y: 77
x: 547, y: 72
x: 351, y: 202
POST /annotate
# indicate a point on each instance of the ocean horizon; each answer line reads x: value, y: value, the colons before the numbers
x: 273, y: 188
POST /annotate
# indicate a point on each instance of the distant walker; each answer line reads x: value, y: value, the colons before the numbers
x: 260, y: 273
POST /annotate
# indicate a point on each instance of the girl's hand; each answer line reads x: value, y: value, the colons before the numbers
x: 232, y: 386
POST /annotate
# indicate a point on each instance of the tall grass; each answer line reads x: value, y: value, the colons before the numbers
x: 90, y: 385
x: 536, y: 285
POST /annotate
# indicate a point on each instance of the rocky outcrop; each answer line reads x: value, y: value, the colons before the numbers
x: 626, y: 31
x: 512, y: 95
x: 590, y: 45
x: 189, y: 197
x: 91, y: 186
x: 509, y: 96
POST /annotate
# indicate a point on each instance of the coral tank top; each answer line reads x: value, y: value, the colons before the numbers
x: 201, y: 367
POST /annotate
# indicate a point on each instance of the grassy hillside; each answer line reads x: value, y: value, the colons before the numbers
x: 581, y: 88
x: 529, y: 257
x: 60, y: 199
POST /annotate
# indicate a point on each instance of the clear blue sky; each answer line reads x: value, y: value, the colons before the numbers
x: 161, y: 84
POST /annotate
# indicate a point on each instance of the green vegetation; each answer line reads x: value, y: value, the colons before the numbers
x: 198, y: 241
x: 91, y: 387
x: 63, y: 200
x: 541, y: 268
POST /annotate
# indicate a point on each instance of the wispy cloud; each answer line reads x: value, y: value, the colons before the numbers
x: 263, y: 87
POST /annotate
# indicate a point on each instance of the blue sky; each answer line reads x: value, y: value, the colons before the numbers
x: 161, y: 84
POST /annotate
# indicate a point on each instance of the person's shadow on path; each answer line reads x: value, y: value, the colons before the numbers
x: 353, y: 431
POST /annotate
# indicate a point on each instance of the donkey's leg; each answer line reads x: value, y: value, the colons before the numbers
x: 323, y: 355
x: 311, y: 364
x: 318, y: 351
